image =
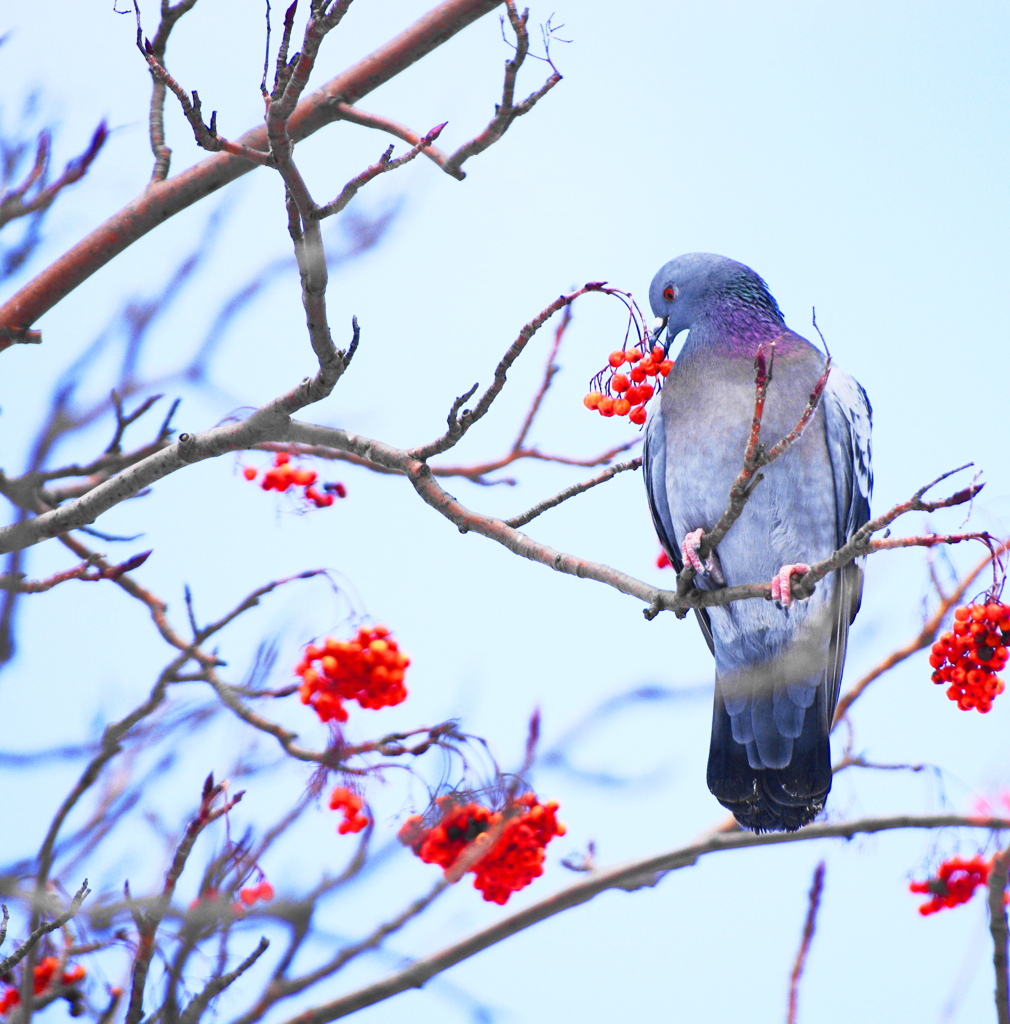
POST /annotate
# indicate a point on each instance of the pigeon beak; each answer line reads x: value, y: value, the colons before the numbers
x: 657, y: 328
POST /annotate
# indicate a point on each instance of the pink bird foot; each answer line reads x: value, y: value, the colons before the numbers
x: 689, y: 552
x: 782, y: 593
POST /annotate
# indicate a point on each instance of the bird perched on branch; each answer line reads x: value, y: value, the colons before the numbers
x: 778, y: 663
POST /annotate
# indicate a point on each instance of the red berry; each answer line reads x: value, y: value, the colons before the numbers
x: 592, y: 400
x: 518, y: 852
x: 616, y: 359
x: 249, y: 473
x: 637, y: 415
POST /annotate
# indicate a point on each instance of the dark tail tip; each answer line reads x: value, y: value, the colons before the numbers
x: 771, y: 799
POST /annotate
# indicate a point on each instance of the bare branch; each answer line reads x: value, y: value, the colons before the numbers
x: 385, y: 163
x: 13, y: 203
x: 195, y: 1010
x: 86, y: 571
x: 634, y: 875
x: 508, y: 110
x: 164, y: 199
x: 205, y: 134
x: 9, y: 962
x: 385, y: 124
x: 149, y: 919
x: 571, y: 492
x: 459, y: 424
x: 816, y: 888
x: 156, y: 117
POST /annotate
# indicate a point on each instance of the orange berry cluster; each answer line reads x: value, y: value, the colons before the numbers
x: 517, y: 857
x: 282, y: 476
x: 247, y: 897
x: 44, y: 972
x: 625, y: 394
x: 954, y: 883
x: 342, y: 799
x: 369, y: 669
x: 968, y: 657
x: 252, y: 894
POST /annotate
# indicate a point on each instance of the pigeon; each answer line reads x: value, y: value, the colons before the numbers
x: 778, y: 663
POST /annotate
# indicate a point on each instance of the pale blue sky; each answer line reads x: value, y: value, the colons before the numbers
x: 857, y: 158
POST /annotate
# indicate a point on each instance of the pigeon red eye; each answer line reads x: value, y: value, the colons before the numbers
x: 669, y: 294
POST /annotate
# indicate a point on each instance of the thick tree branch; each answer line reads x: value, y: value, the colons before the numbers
x: 631, y: 876
x: 164, y: 199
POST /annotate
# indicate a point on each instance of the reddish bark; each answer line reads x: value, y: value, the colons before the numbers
x: 164, y: 199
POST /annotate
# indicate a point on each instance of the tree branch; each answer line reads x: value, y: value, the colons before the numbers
x: 10, y: 962
x: 164, y: 199
x: 634, y: 875
x: 816, y: 889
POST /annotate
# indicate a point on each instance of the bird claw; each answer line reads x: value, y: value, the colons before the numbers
x: 689, y: 552
x: 782, y: 583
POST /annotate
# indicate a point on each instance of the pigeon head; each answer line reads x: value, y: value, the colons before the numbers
x: 701, y: 289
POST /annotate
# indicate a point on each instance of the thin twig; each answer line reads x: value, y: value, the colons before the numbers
x: 385, y: 163
x: 816, y: 889
x: 385, y: 124
x: 570, y: 492
x: 459, y: 424
x: 195, y: 1010
x: 148, y: 920
x: 507, y: 110
x: 9, y: 962
x: 156, y: 116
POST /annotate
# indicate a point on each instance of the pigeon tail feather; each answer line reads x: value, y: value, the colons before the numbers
x: 771, y: 799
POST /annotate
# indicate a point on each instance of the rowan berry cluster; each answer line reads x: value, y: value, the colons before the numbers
x: 954, y: 883
x: 369, y: 669
x: 284, y: 475
x: 252, y: 894
x: 44, y: 973
x: 968, y: 657
x: 247, y: 897
x: 515, y: 858
x: 625, y: 394
x: 342, y: 799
